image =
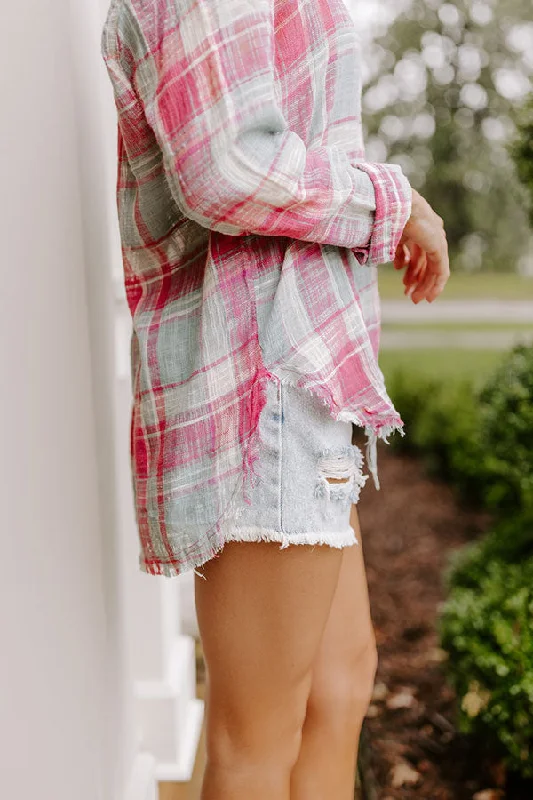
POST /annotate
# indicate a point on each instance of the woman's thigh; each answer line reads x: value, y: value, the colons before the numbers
x: 262, y: 612
x: 262, y: 609
x: 346, y: 659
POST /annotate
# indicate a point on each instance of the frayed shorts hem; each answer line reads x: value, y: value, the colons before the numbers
x: 257, y: 534
x: 252, y: 533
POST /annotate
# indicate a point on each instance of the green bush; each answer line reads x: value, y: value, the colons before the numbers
x: 521, y: 149
x: 478, y: 439
x: 510, y: 540
x: 411, y: 395
x: 486, y: 626
x: 442, y: 426
x: 449, y: 436
x: 506, y: 429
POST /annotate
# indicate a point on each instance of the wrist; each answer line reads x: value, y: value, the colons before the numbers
x: 416, y: 204
x: 393, y: 200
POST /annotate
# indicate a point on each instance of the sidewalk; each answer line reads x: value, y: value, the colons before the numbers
x: 453, y: 339
x: 464, y: 311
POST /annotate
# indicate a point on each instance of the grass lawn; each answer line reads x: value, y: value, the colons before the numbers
x: 453, y: 363
x: 461, y: 286
x: 456, y: 364
x: 445, y: 327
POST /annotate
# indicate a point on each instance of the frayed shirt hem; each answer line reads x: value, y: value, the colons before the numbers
x: 337, y: 539
x: 376, y: 426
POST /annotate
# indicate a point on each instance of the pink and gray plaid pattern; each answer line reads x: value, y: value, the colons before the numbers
x: 252, y: 227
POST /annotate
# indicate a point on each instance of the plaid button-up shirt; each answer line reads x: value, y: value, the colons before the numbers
x: 251, y: 227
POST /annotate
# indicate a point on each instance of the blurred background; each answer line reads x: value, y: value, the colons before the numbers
x: 449, y: 544
x: 448, y: 96
x: 102, y: 673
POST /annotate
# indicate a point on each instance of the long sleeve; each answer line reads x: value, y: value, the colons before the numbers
x: 204, y: 75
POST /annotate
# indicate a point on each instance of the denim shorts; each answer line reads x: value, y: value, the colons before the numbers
x: 309, y: 473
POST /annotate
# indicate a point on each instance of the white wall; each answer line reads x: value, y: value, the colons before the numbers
x: 65, y: 710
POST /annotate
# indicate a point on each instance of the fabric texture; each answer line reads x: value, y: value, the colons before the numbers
x: 308, y: 474
x: 252, y: 227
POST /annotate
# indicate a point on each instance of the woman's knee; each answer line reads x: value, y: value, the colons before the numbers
x: 240, y: 731
x: 346, y: 690
x: 262, y: 613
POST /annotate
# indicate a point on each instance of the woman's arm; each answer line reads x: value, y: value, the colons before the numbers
x: 208, y: 93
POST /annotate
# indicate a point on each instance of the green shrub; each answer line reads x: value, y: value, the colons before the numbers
x: 521, y: 149
x: 449, y: 436
x: 506, y: 429
x: 412, y: 394
x: 442, y: 426
x: 478, y: 439
x: 486, y: 625
x: 510, y: 540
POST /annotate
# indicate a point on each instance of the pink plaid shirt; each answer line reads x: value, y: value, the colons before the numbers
x: 251, y: 226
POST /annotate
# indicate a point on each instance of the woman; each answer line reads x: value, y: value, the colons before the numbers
x: 252, y: 228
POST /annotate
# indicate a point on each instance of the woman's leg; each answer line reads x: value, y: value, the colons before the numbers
x: 261, y: 614
x: 343, y: 678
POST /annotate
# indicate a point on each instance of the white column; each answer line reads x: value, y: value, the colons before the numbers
x: 64, y: 694
x: 161, y: 658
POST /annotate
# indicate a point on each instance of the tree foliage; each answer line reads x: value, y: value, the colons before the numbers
x: 521, y: 149
x: 440, y: 98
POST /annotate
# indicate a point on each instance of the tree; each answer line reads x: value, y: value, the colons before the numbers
x: 443, y: 85
x: 521, y: 150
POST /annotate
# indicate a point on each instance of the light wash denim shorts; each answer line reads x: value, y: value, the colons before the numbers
x: 309, y: 473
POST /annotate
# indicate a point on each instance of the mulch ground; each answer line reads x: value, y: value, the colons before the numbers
x: 410, y: 746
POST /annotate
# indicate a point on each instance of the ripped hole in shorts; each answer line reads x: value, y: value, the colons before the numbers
x: 340, y: 477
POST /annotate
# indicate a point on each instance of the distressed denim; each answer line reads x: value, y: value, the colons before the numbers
x: 308, y: 474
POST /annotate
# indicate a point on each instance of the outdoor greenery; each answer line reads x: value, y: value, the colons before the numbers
x: 441, y: 421
x: 463, y: 285
x: 453, y: 109
x: 521, y: 149
x: 486, y: 626
x: 479, y: 438
x: 506, y: 432
x: 444, y: 85
x: 420, y: 363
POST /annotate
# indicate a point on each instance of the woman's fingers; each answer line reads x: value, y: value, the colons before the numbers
x: 425, y: 285
x: 424, y: 289
x: 434, y: 280
x: 416, y: 267
x: 402, y: 255
x: 426, y: 230
x: 426, y: 273
x: 440, y: 282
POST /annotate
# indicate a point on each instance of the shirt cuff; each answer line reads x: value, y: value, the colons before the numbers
x: 393, y: 209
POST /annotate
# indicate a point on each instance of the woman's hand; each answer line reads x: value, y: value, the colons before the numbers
x: 423, y: 251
